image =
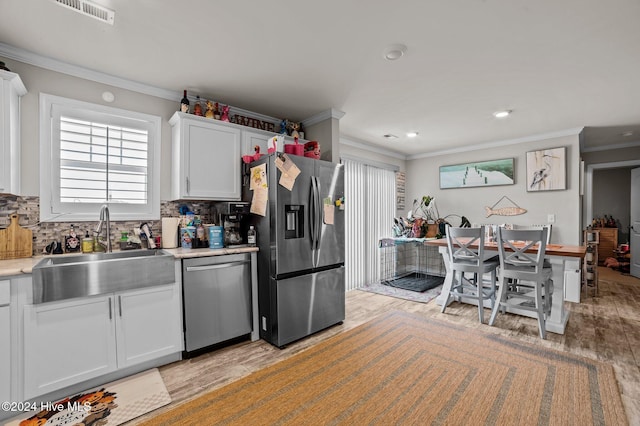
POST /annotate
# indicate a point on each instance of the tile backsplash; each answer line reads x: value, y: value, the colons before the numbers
x: 28, y: 210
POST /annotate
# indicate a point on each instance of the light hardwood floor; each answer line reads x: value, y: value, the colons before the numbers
x: 606, y: 328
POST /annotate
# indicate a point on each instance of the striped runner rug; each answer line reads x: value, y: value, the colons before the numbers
x: 401, y: 368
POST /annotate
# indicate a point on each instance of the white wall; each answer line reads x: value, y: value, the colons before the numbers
x: 38, y: 80
x: 423, y: 179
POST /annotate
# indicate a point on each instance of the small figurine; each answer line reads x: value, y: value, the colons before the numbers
x: 257, y: 154
x: 294, y: 130
x: 283, y: 126
x: 197, y: 108
x: 225, y: 113
x: 216, y: 112
x: 209, y: 112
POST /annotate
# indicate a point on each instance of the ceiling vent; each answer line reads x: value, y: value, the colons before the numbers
x: 89, y: 8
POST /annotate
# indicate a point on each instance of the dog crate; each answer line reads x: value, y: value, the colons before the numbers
x: 410, y: 264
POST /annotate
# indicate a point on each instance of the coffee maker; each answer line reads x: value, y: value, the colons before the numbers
x: 233, y: 216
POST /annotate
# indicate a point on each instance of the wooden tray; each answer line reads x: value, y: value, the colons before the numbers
x: 15, y: 241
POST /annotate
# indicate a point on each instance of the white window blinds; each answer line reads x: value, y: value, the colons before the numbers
x: 371, y: 200
x: 102, y: 163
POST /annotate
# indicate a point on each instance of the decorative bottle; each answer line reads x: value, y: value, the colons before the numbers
x: 184, y: 103
x: 251, y: 236
x: 72, y: 243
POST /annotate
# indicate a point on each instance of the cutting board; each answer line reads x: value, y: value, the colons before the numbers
x: 15, y: 241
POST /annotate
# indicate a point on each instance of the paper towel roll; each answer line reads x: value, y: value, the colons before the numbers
x: 170, y: 232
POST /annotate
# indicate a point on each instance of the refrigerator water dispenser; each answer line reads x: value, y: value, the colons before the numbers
x: 294, y: 221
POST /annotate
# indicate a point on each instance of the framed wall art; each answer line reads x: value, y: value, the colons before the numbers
x: 547, y: 169
x: 479, y: 173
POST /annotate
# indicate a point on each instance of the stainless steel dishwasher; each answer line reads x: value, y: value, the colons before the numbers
x: 217, y: 299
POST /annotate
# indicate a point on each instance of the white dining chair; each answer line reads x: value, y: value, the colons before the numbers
x: 523, y: 280
x: 464, y: 258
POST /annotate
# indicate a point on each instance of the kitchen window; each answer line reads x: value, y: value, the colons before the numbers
x: 92, y: 155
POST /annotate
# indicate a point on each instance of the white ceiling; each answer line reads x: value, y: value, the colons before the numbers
x: 558, y: 65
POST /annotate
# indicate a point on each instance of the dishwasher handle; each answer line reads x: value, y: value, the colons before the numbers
x: 217, y: 266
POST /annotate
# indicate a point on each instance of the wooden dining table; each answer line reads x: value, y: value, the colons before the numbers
x: 565, y: 260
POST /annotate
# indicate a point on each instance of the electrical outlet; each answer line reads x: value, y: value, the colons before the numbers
x: 551, y: 218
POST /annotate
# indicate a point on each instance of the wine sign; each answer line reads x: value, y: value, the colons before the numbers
x: 253, y: 122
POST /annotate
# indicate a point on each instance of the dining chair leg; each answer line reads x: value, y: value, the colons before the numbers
x: 499, y: 296
x: 493, y: 288
x: 448, y: 297
x: 480, y: 297
x: 540, y: 308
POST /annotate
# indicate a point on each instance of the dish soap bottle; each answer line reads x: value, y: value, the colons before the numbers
x: 251, y: 236
x: 87, y: 243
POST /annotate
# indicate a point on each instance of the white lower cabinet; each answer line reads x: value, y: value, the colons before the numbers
x: 148, y: 325
x: 5, y: 345
x: 72, y: 341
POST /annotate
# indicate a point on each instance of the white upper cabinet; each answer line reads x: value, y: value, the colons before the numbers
x: 11, y: 90
x: 206, y: 159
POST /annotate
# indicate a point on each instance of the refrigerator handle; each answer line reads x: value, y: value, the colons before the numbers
x: 312, y: 213
x: 319, y: 213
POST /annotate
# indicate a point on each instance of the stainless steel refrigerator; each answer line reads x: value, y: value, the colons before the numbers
x: 301, y: 259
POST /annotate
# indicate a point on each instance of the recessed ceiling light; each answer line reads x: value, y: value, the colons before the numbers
x: 502, y: 114
x: 412, y: 134
x: 390, y: 136
x: 626, y: 134
x: 395, y: 51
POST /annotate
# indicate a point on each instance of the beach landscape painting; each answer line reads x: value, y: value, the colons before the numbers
x: 546, y: 170
x: 481, y: 173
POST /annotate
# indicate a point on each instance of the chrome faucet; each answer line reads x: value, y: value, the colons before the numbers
x: 104, y: 218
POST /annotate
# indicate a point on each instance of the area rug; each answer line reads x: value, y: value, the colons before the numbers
x: 401, y: 368
x: 400, y: 293
x: 112, y: 404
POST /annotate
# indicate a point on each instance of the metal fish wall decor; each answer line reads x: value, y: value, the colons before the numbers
x: 505, y: 211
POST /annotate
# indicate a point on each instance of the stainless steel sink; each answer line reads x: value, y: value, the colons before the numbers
x: 66, y: 277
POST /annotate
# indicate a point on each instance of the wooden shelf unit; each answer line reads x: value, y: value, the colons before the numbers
x: 608, y: 242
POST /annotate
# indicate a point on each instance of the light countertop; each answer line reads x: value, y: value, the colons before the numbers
x: 25, y: 265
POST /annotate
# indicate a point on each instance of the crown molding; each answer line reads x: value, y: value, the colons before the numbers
x: 51, y: 64
x: 366, y: 147
x: 614, y: 146
x: 322, y: 116
x: 496, y: 144
x: 85, y: 73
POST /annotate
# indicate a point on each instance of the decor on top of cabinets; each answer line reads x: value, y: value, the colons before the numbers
x: 283, y: 126
x: 479, y: 173
x: 513, y: 210
x: 312, y: 150
x: 546, y: 169
x: 292, y: 129
x: 216, y: 111
x: 276, y: 144
x: 197, y: 108
x: 184, y: 103
x: 209, y: 112
x: 225, y: 113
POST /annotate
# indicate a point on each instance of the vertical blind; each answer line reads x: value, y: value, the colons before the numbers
x: 371, y: 205
x: 101, y: 162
